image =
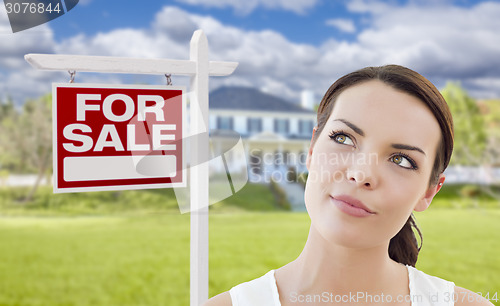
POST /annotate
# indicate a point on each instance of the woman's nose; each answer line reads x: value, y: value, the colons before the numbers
x: 362, y: 175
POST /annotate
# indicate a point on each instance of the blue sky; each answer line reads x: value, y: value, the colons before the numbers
x: 283, y: 46
x: 305, y: 24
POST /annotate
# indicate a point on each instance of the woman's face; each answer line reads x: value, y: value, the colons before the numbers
x: 370, y: 166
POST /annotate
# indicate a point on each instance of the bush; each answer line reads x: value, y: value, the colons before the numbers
x: 470, y: 191
x: 89, y: 203
x: 291, y: 174
x: 302, y: 179
x: 279, y: 195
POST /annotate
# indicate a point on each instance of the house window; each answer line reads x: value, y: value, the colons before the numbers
x: 254, y: 125
x: 224, y: 123
x: 281, y: 126
x: 306, y: 127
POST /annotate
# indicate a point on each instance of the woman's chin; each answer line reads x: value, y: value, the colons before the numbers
x: 341, y: 235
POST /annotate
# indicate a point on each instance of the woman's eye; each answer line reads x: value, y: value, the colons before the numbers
x: 403, y: 161
x: 342, y: 139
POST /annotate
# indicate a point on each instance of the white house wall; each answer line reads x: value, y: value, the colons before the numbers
x: 267, y: 123
x: 270, y: 145
x: 294, y: 126
x: 240, y: 124
x: 212, y: 122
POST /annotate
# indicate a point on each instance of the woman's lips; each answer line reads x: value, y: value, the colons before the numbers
x: 351, y: 206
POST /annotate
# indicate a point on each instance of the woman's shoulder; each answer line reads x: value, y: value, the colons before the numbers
x: 438, y: 288
x: 429, y: 287
x: 466, y: 297
x: 260, y: 291
x: 223, y: 299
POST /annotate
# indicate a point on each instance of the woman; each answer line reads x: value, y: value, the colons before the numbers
x: 383, y: 139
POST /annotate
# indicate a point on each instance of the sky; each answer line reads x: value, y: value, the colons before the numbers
x: 283, y: 46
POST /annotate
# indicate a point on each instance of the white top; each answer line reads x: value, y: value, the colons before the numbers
x: 425, y: 290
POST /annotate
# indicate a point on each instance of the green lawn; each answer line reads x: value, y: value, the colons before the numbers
x: 252, y: 197
x: 144, y: 260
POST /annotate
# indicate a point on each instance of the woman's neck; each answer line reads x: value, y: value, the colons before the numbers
x: 322, y: 266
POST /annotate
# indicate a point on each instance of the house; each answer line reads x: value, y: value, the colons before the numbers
x: 276, y: 134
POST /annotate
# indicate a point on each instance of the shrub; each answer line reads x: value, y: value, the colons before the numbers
x: 470, y: 191
x: 302, y: 179
x: 279, y: 195
x: 291, y: 174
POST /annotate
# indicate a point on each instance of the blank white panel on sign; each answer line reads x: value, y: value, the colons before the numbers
x: 96, y: 168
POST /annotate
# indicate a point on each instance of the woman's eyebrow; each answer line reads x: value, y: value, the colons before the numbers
x: 407, y: 147
x: 354, y: 127
x: 399, y: 146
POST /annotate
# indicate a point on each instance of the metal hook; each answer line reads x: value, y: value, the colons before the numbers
x: 72, y: 75
x: 169, y: 79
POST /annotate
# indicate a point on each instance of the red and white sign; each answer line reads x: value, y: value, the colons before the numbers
x: 117, y: 137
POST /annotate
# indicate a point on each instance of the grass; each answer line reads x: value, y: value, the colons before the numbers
x: 132, y: 247
x: 462, y: 246
x: 252, y: 197
x: 95, y: 261
x: 144, y: 260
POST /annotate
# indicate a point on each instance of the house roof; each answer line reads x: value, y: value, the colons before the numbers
x: 246, y: 98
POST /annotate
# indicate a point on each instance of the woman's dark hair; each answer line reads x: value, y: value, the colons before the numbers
x: 403, y: 247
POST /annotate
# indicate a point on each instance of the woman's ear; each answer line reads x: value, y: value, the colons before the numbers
x: 309, y: 153
x: 424, y: 203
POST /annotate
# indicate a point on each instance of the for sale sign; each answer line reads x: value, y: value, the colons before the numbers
x: 115, y: 137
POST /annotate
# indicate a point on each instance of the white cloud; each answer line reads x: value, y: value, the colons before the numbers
x: 17, y: 78
x: 484, y: 87
x: 439, y: 40
x: 442, y: 42
x: 84, y: 2
x: 373, y: 7
x: 175, y: 23
x: 344, y: 25
x: 247, y: 6
x: 38, y: 39
x: 263, y: 55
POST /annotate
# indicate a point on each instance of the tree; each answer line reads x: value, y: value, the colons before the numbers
x: 9, y: 117
x: 26, y: 140
x: 470, y: 129
x: 7, y: 109
x: 491, y: 113
x: 476, y: 144
x: 7, y: 112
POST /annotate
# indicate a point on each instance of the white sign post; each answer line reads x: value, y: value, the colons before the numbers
x: 199, y: 68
